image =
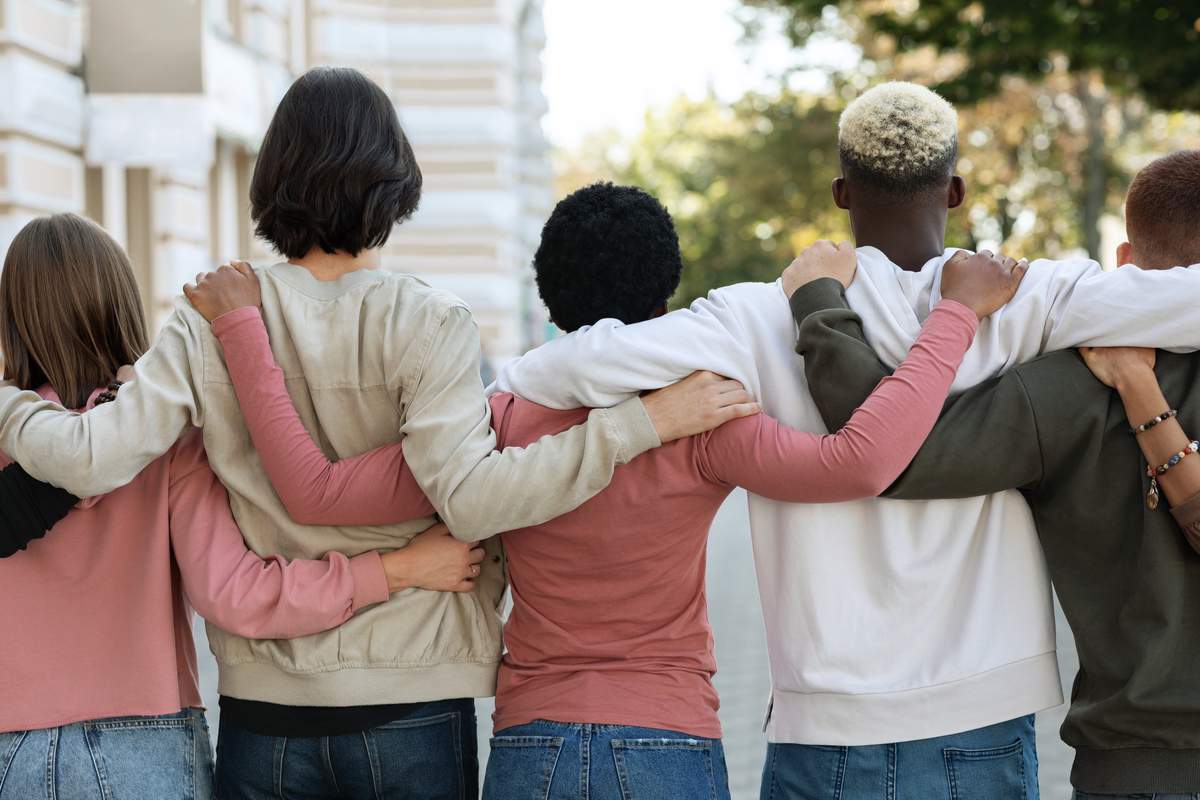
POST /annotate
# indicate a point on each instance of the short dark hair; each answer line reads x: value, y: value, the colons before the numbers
x: 1162, y: 211
x: 335, y: 170
x: 607, y: 252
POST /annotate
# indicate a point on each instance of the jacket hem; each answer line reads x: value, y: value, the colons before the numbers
x: 358, y: 686
x: 1136, y: 770
x: 849, y: 720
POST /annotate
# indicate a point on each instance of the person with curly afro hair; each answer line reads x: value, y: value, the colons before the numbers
x: 607, y: 252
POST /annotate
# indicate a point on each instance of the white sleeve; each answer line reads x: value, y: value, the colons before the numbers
x: 601, y: 365
x: 1128, y: 307
x: 94, y: 453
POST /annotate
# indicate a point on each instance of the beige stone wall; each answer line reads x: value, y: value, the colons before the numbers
x: 161, y: 148
x: 41, y: 111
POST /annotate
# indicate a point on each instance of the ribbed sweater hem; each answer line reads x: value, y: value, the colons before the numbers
x: 1136, y: 770
x: 848, y: 720
x: 358, y: 686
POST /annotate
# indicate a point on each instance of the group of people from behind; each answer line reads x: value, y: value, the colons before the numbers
x: 308, y: 457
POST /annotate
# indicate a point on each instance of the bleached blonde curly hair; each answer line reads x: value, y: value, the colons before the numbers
x: 900, y: 137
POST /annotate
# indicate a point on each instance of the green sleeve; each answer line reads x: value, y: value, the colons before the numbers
x: 985, y: 441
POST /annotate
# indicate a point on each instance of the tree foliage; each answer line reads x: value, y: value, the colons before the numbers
x: 1148, y: 48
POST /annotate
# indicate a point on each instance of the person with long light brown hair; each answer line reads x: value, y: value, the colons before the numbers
x: 98, y: 680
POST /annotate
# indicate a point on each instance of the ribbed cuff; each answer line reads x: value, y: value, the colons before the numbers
x: 633, y: 427
x: 822, y: 294
x: 232, y: 319
x: 370, y: 580
x: 960, y: 311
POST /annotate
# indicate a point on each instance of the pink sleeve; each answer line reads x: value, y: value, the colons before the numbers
x: 375, y: 488
x: 864, y: 458
x: 236, y: 590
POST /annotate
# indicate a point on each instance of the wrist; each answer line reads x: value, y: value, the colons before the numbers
x: 399, y: 572
x: 1128, y: 377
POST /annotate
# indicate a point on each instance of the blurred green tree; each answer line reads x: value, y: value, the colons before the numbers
x: 1116, y: 53
x: 747, y: 183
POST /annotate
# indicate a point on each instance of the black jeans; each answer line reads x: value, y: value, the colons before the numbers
x: 429, y: 755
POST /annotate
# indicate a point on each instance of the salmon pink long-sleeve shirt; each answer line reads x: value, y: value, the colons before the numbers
x: 609, y: 622
x: 98, y: 615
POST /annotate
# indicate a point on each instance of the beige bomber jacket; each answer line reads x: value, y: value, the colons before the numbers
x: 368, y: 358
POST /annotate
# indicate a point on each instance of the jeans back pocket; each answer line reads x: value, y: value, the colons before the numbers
x: 521, y: 767
x: 992, y: 773
x: 149, y: 756
x: 10, y: 743
x: 422, y: 758
x: 666, y: 769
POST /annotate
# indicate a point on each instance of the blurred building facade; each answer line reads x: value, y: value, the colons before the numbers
x: 145, y: 115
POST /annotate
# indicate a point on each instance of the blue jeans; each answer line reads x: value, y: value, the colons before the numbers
x: 1086, y: 796
x: 994, y: 763
x: 568, y: 761
x: 125, y: 758
x: 429, y: 755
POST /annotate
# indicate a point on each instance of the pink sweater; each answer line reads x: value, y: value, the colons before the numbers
x: 609, y: 622
x: 97, y: 616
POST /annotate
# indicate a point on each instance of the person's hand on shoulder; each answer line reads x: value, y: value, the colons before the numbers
x: 824, y: 259
x: 698, y: 403
x: 1116, y: 366
x: 233, y: 286
x: 983, y: 281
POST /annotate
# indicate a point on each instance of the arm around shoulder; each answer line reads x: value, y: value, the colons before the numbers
x: 95, y: 453
x: 450, y: 445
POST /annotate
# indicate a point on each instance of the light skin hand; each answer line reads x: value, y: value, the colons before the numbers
x: 824, y: 259
x: 1117, y: 367
x: 232, y: 286
x: 1130, y: 370
x: 436, y: 561
x: 698, y: 403
x: 983, y: 282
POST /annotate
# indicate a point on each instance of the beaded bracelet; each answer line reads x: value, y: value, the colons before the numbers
x: 1163, y: 417
x: 109, y: 394
x: 1153, y: 473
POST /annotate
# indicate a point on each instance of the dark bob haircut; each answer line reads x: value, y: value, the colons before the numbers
x: 607, y: 252
x: 335, y: 170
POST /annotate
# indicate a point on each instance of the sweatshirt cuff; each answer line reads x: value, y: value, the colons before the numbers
x: 819, y: 295
x: 631, y: 425
x: 370, y: 580
x: 959, y: 311
x: 1187, y: 516
x: 232, y: 319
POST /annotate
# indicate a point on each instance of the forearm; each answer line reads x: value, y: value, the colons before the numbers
x: 376, y: 488
x: 479, y: 492
x: 94, y: 453
x: 234, y: 588
x: 276, y: 599
x: 450, y: 446
x: 843, y: 370
x: 1143, y: 401
x: 883, y: 435
x: 1124, y: 307
x: 610, y: 362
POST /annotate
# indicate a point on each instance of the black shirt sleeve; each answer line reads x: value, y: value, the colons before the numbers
x: 28, y: 508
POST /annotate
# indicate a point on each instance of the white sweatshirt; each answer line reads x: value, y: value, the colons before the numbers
x: 886, y: 620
